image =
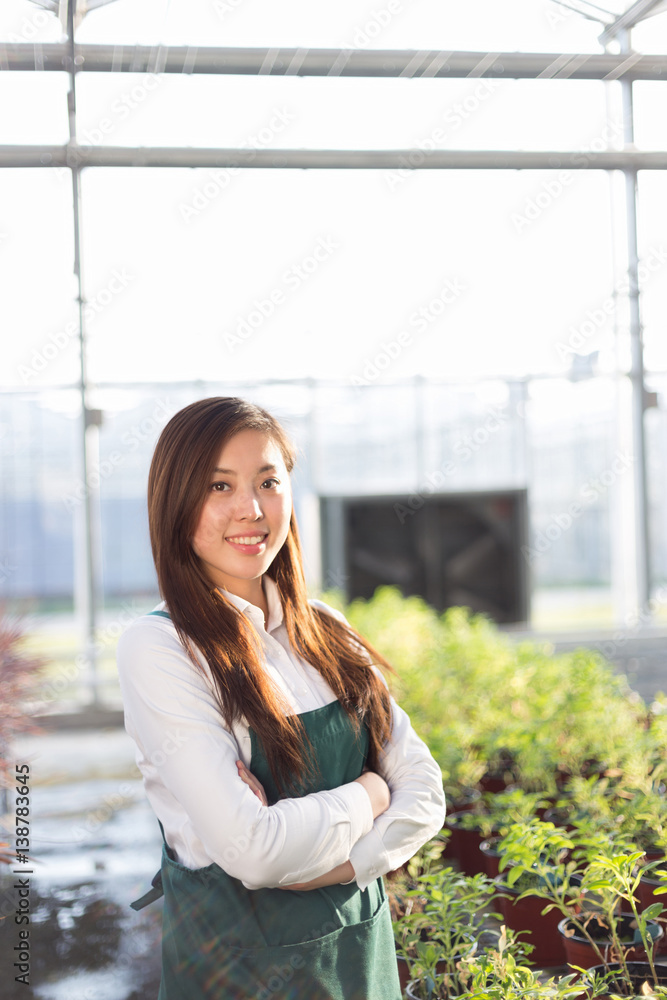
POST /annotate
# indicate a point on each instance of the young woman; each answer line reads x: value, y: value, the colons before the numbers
x: 285, y: 778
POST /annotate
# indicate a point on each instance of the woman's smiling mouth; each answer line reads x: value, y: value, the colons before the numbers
x: 250, y: 544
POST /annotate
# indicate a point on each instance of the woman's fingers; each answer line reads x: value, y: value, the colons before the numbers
x: 251, y: 781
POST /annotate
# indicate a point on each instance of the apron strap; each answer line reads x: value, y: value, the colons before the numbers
x: 151, y: 895
x: 162, y: 614
x: 156, y: 881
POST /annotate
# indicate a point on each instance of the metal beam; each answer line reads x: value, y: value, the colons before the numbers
x: 639, y: 11
x: 406, y: 63
x: 76, y: 156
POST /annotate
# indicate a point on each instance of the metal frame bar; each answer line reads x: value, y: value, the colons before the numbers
x: 639, y: 11
x: 75, y: 157
x: 405, y: 63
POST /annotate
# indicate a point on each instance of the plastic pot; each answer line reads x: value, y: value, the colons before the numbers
x: 491, y: 856
x: 640, y: 973
x: 645, y: 898
x: 404, y: 976
x: 579, y: 951
x: 526, y: 915
x: 465, y: 845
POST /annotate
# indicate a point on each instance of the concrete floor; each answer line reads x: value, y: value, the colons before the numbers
x: 96, y: 845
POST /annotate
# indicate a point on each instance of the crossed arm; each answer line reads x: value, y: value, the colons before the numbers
x: 380, y: 796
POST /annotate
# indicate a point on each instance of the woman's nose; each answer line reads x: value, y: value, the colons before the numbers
x: 249, y: 507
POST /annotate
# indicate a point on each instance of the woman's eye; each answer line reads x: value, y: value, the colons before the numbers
x: 271, y: 482
x: 219, y: 487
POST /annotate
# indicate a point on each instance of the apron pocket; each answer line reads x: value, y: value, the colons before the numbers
x: 355, y: 962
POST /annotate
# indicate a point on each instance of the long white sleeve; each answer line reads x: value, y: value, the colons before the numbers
x: 187, y: 758
x: 417, y: 809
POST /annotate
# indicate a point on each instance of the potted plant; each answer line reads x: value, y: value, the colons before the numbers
x: 500, y: 974
x: 612, y: 983
x: 596, y: 872
x: 493, y: 814
x: 442, y: 929
x: 536, y: 865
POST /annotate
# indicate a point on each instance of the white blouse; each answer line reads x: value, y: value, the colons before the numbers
x: 187, y: 757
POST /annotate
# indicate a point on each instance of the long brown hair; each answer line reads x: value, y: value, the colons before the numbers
x: 178, y: 482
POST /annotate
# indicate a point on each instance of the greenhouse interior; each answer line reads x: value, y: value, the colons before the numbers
x: 243, y: 238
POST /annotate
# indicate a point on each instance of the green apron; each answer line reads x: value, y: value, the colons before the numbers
x: 221, y: 941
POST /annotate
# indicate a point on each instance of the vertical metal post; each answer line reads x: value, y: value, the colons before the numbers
x: 87, y: 429
x: 636, y: 374
x: 419, y: 383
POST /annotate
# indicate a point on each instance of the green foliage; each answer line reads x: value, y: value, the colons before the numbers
x: 485, y: 704
x: 564, y: 727
x: 496, y: 812
x: 499, y: 975
x: 447, y: 918
x: 582, y: 875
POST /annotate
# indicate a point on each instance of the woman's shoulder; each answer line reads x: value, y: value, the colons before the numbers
x: 334, y: 612
x: 151, y: 628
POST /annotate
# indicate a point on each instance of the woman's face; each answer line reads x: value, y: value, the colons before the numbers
x: 245, y: 518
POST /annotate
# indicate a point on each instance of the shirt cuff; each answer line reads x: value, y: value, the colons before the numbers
x: 361, y: 811
x: 370, y: 859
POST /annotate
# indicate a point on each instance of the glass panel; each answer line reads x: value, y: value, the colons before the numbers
x: 38, y: 314
x: 198, y: 272
x: 341, y: 113
x: 653, y: 266
x: 33, y: 108
x: 517, y: 25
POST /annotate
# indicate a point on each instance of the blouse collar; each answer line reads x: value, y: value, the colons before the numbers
x: 256, y: 614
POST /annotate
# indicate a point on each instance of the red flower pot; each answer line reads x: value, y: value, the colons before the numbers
x: 491, y: 856
x: 640, y: 973
x: 465, y: 845
x: 579, y: 951
x: 526, y: 915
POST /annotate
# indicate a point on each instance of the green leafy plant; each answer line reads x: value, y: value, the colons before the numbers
x: 496, y: 812
x: 442, y: 928
x: 584, y: 878
x: 539, y: 718
x: 499, y: 975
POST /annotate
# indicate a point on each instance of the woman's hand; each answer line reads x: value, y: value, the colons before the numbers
x: 378, y: 791
x: 251, y: 781
x: 341, y: 873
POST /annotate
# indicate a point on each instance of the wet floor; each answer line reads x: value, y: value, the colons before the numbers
x: 95, y: 845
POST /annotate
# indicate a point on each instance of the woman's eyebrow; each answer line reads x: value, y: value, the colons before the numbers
x: 231, y: 472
